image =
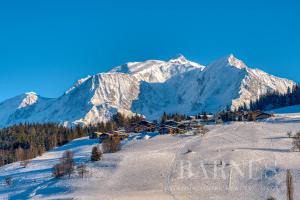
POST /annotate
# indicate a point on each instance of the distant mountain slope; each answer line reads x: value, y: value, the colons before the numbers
x: 148, y: 88
x: 288, y: 109
x: 19, y: 108
x: 227, y: 82
x: 95, y: 100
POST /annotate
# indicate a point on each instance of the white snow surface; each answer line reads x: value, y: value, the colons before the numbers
x: 167, y: 167
x: 148, y: 88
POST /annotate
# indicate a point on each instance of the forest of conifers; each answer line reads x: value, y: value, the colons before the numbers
x: 26, y: 141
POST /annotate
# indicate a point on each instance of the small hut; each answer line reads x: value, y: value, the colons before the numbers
x: 263, y: 115
x: 104, y: 136
x: 167, y: 130
x: 94, y: 135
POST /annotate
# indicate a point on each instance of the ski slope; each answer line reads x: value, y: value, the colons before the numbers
x: 172, y: 167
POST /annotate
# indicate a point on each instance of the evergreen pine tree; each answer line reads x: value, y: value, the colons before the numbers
x: 96, y: 154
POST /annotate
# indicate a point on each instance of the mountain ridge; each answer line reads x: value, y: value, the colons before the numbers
x: 148, y: 88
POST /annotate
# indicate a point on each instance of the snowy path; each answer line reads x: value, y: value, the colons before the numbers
x: 182, y: 148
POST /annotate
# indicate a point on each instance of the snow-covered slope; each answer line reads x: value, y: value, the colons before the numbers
x: 289, y: 109
x: 97, y: 99
x: 255, y: 157
x: 148, y: 88
x: 77, y: 83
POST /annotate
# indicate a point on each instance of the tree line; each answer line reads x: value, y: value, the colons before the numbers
x: 275, y: 100
x: 26, y: 141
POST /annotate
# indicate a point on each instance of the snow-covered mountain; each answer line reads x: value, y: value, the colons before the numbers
x: 156, y: 70
x: 148, y: 88
x: 19, y: 108
x: 227, y: 82
x: 95, y: 99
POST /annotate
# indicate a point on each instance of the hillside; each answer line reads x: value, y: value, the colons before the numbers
x: 289, y: 109
x: 151, y: 168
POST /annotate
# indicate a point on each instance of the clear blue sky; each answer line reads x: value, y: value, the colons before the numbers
x: 46, y: 45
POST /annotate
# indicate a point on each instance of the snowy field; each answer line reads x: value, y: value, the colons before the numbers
x: 241, y: 160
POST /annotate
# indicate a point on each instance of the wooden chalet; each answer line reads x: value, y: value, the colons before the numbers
x: 123, y: 135
x: 114, y: 135
x: 184, y: 126
x: 167, y: 130
x: 171, y: 123
x: 94, y: 135
x: 241, y: 116
x: 104, y: 136
x: 263, y: 115
x: 188, y: 125
x: 177, y: 128
x: 142, y: 126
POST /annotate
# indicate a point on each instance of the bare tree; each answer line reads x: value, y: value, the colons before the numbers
x: 289, y: 134
x: 296, y: 142
x: 66, y: 165
x: 289, y: 185
x: 111, y: 145
x: 58, y: 170
x: 68, y: 162
x: 81, y: 170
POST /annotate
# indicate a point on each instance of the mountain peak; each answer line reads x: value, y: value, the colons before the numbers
x: 157, y: 70
x: 31, y: 93
x: 235, y: 62
x: 29, y: 99
x: 227, y: 61
x: 179, y: 59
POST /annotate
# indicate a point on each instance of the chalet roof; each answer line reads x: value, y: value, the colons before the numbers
x: 170, y: 122
x: 145, y: 122
x: 121, y: 132
x: 105, y: 133
x: 184, y: 124
x: 96, y: 132
x: 264, y: 113
x: 167, y: 126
